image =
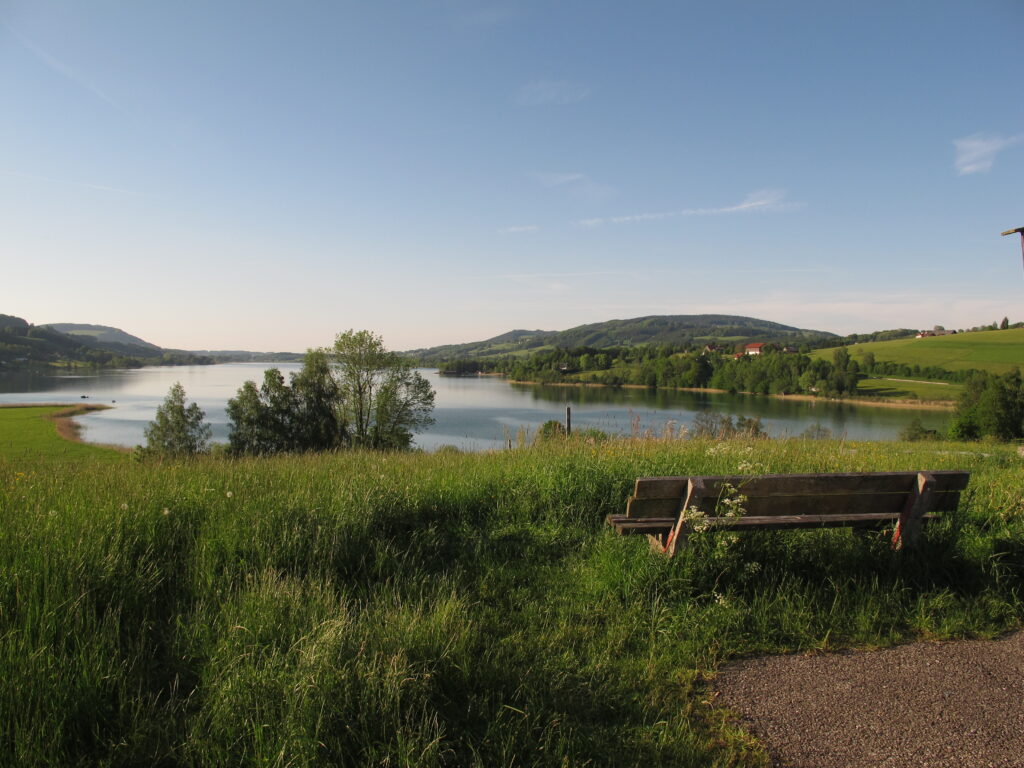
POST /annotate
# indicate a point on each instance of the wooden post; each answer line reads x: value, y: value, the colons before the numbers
x: 568, y: 420
x: 694, y: 491
x: 908, y: 529
x: 1019, y: 231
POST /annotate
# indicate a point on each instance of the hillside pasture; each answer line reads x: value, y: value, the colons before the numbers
x: 993, y: 351
x: 930, y: 391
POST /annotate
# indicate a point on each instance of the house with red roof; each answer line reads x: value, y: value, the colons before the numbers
x: 754, y: 349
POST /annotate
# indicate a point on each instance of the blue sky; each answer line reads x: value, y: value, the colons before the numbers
x: 257, y: 175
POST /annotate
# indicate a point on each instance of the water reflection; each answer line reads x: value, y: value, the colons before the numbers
x: 473, y: 413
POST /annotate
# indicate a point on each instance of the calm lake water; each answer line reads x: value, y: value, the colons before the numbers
x: 475, y: 414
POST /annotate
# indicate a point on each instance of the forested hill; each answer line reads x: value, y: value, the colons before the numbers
x: 653, y: 329
x: 23, y: 344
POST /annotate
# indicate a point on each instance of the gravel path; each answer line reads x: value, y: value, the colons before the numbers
x: 923, y: 705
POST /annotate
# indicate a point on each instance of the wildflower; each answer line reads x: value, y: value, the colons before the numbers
x: 124, y: 505
x: 165, y: 511
x: 229, y: 494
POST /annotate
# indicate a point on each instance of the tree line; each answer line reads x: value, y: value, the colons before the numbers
x: 666, y: 366
x: 355, y: 394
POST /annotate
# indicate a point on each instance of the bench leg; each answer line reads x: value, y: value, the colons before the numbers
x: 908, y: 530
x: 678, y: 538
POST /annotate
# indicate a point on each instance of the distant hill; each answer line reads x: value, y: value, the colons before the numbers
x: 994, y: 351
x: 652, y: 329
x: 101, y: 333
x: 23, y: 344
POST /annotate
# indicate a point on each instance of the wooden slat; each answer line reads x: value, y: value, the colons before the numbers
x: 617, y: 519
x: 779, y: 522
x: 946, y: 502
x: 789, y: 485
x: 797, y: 505
x: 641, y: 508
x: 644, y: 526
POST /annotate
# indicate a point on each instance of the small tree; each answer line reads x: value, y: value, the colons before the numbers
x: 384, y: 401
x: 177, y: 430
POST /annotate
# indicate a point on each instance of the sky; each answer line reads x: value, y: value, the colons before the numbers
x: 256, y: 175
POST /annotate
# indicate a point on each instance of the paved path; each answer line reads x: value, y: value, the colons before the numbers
x: 923, y: 705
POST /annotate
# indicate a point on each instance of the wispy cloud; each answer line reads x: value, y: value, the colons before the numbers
x: 82, y: 184
x: 762, y: 200
x: 557, y: 179
x: 61, y: 68
x: 519, y: 230
x: 977, y: 153
x: 551, y: 92
x: 580, y: 185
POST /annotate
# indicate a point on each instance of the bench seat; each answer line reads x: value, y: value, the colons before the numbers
x: 627, y: 525
x: 669, y: 509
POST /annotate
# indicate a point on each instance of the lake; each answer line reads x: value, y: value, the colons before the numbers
x: 475, y: 414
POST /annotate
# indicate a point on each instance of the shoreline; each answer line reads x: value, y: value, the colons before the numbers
x: 64, y: 421
x: 917, y: 405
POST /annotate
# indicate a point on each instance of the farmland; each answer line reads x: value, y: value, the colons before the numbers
x: 993, y: 351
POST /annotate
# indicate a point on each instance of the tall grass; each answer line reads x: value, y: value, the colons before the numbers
x: 447, y: 609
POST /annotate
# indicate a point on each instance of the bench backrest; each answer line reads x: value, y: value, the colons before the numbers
x: 817, y: 494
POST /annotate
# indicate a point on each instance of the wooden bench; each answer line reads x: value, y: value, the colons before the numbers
x: 668, y: 509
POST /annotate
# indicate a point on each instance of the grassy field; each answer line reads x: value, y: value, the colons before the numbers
x: 445, y: 609
x: 995, y: 351
x: 908, y: 388
x: 45, y: 433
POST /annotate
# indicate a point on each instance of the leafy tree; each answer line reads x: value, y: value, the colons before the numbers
x: 261, y: 418
x: 1005, y: 324
x: 317, y: 403
x: 915, y: 431
x: 278, y: 418
x: 177, y: 430
x: 869, y: 362
x: 990, y: 406
x: 383, y: 399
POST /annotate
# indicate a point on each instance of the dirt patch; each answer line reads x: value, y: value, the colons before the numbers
x: 924, y: 705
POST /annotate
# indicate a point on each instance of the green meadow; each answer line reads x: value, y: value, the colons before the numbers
x: 31, y: 433
x: 445, y: 609
x: 908, y: 388
x: 994, y: 351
